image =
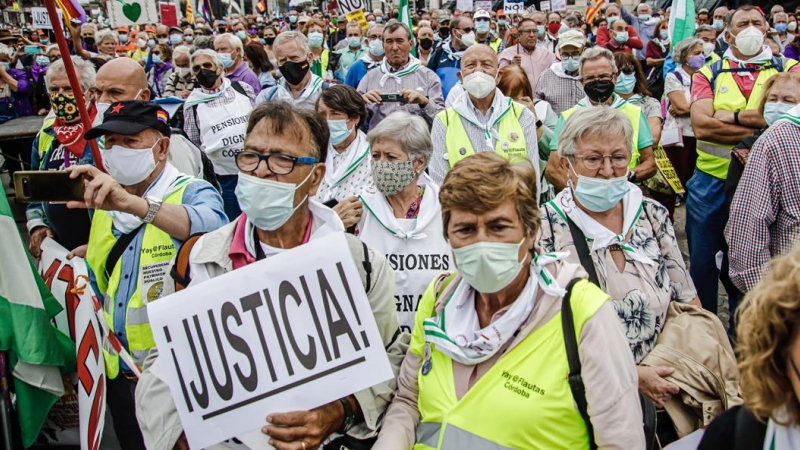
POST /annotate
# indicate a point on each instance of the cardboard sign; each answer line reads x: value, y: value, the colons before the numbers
x: 348, y: 6
x: 169, y: 14
x: 130, y: 12
x: 483, y: 4
x: 514, y: 6
x: 544, y: 5
x: 559, y: 5
x: 289, y: 333
x: 359, y: 17
x: 665, y: 167
x: 464, y: 5
x: 40, y: 19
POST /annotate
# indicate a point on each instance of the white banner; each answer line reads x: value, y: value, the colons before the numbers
x: 545, y: 5
x: 559, y: 5
x: 348, y: 6
x: 123, y: 13
x: 40, y: 20
x: 292, y: 332
x: 483, y: 4
x: 514, y: 6
x: 464, y: 5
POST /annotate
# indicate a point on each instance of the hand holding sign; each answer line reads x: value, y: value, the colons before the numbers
x: 309, y: 427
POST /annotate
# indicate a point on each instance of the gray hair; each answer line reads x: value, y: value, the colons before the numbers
x: 681, y: 51
x: 599, y: 120
x: 703, y: 29
x: 6, y: 50
x: 89, y: 25
x: 456, y: 21
x: 50, y: 48
x: 206, y: 52
x: 780, y: 14
x: 377, y: 25
x: 595, y: 53
x: 409, y: 130
x: 104, y: 35
x: 232, y: 40
x: 202, y: 42
x: 180, y: 50
x: 353, y: 24
x: 392, y: 27
x: 87, y: 76
x: 293, y: 36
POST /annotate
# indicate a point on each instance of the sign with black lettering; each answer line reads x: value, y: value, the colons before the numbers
x: 348, y: 6
x: 292, y: 332
x: 40, y: 20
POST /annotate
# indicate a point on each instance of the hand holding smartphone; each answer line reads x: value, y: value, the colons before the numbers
x: 47, y: 186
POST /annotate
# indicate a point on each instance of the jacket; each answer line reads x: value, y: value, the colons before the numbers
x: 155, y: 410
x: 694, y: 342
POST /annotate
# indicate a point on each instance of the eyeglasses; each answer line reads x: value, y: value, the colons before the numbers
x: 482, y: 19
x: 466, y: 30
x: 277, y: 163
x: 161, y: 35
x: 206, y: 65
x: 595, y: 162
x: 524, y: 32
x: 628, y: 70
x: 588, y: 80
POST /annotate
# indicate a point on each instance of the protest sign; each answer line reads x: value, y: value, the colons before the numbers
x: 514, y: 6
x: 130, y: 12
x: 544, y: 5
x: 40, y: 20
x: 483, y: 4
x: 559, y: 5
x: 292, y: 332
x: 665, y: 168
x: 464, y: 5
x: 358, y: 16
x: 348, y: 6
x: 169, y: 14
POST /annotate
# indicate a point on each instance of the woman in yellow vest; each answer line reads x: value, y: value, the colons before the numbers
x: 487, y: 367
x: 315, y: 31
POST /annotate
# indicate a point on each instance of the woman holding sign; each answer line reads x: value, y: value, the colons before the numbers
x: 487, y: 362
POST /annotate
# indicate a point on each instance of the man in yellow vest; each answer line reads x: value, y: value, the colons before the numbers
x: 598, y: 73
x: 708, y: 34
x: 483, y: 33
x: 483, y: 119
x: 144, y: 209
x: 725, y: 99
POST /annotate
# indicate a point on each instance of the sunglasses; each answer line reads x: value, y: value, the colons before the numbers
x: 206, y: 65
x: 161, y: 35
x: 628, y: 70
x: 466, y: 30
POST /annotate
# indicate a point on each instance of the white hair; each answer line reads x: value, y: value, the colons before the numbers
x: 6, y: 50
x: 180, y: 50
x: 206, y: 52
x: 50, y: 48
x: 598, y: 121
x: 232, y: 40
x: 292, y: 36
x: 104, y: 35
x: 87, y: 76
x: 89, y: 25
x: 597, y: 53
x: 409, y: 130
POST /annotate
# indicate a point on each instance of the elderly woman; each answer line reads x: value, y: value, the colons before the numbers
x: 105, y: 40
x: 215, y: 120
x: 403, y: 217
x: 15, y: 89
x: 181, y: 81
x: 315, y: 31
x: 493, y: 373
x: 622, y: 239
x: 159, y: 73
x: 347, y: 166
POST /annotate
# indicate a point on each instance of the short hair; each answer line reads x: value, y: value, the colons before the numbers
x: 89, y: 25
x: 87, y: 75
x: 599, y: 120
x: 314, y: 22
x: 166, y: 52
x: 726, y: 19
x: 104, y: 35
x: 206, y: 52
x: 456, y: 21
x: 343, y: 98
x: 377, y: 25
x: 353, y: 24
x: 232, y: 40
x: 394, y: 26
x: 513, y: 82
x: 748, y: 8
x: 293, y: 36
x: 781, y: 13
x: 180, y: 50
x: 704, y: 28
x: 482, y: 182
x: 50, y: 48
x: 771, y: 82
x: 202, y: 42
x: 572, y: 20
x: 284, y: 118
x: 622, y: 59
x: 681, y: 51
x: 767, y: 323
x: 595, y: 53
x: 409, y: 130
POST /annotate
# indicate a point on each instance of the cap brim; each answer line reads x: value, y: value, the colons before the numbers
x: 117, y: 127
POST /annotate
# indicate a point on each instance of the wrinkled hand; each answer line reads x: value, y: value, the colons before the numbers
x: 373, y: 96
x: 101, y: 191
x: 37, y: 236
x: 184, y: 94
x: 290, y: 430
x: 517, y: 59
x: 414, y: 97
x: 651, y: 384
x: 349, y: 210
x: 79, y: 251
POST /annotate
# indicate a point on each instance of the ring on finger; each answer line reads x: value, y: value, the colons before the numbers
x: 303, y: 443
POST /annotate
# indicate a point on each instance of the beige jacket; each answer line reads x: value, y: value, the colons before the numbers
x: 694, y: 343
x: 155, y: 409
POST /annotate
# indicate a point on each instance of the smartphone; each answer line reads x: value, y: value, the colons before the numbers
x: 393, y: 98
x: 33, y: 50
x: 47, y: 186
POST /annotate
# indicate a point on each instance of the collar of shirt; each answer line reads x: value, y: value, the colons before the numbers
x: 238, y: 71
x: 482, y: 118
x: 392, y: 69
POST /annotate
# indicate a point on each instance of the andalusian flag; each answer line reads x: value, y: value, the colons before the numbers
x: 37, y: 353
x: 189, y: 14
x: 71, y: 9
x: 681, y: 26
x: 405, y: 17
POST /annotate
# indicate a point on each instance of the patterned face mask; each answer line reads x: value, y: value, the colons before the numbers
x: 392, y: 177
x: 65, y: 106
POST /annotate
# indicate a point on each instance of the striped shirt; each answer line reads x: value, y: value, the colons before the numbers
x: 561, y: 92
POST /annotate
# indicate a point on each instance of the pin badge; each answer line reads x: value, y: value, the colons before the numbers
x: 426, y: 356
x: 513, y: 136
x: 723, y: 89
x: 505, y: 145
x: 462, y: 151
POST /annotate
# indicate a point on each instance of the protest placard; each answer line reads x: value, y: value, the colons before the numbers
x: 358, y: 16
x: 544, y: 5
x: 292, y: 332
x: 464, y: 5
x: 348, y: 6
x: 483, y: 4
x: 559, y: 5
x: 513, y: 6
x: 40, y: 20
x: 169, y: 14
x: 129, y: 12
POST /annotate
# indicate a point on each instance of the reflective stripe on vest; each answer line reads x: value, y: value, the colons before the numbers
x: 714, y: 158
x: 530, y: 380
x: 156, y: 253
x: 634, y: 114
x: 511, y: 145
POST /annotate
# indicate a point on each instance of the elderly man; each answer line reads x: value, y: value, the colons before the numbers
x: 644, y: 23
x: 780, y: 21
x: 277, y: 133
x: 484, y: 120
x: 175, y: 36
x: 446, y: 60
x: 703, y: 17
x: 181, y: 82
x: 144, y: 209
x: 719, y: 18
x: 725, y: 98
x: 353, y: 50
x: 231, y: 53
x: 708, y: 34
x: 560, y: 85
x: 297, y: 85
x: 533, y: 59
x: 599, y: 76
x: 482, y: 31
x: 722, y: 45
x: 370, y: 60
x: 419, y: 89
x: 125, y: 44
x: 239, y: 28
x: 162, y: 34
x: 58, y: 145
x: 613, y: 13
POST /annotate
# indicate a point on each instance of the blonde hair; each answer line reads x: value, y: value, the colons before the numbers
x: 480, y: 183
x: 773, y: 80
x: 768, y: 323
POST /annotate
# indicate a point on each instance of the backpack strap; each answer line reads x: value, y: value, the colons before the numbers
x: 367, y: 267
x: 180, y: 271
x: 750, y: 432
x: 579, y: 239
x: 238, y: 88
x: 118, y: 249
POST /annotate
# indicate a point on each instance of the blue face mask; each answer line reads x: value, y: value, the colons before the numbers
x: 157, y: 59
x: 176, y: 39
x: 354, y: 41
x: 379, y: 19
x: 315, y: 39
x: 339, y: 131
x: 622, y: 37
x: 663, y: 34
x: 502, y: 23
x: 6, y: 66
x: 719, y: 24
x: 292, y: 19
x: 540, y: 30
x: 570, y: 64
x: 610, y: 20
x: 481, y: 26
x: 227, y: 60
x: 625, y: 83
x: 241, y: 35
x: 644, y: 17
x: 151, y: 43
x: 599, y: 194
x: 773, y: 111
x: 780, y: 27
x: 42, y: 61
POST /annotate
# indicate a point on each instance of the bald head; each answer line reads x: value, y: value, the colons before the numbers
x: 121, y: 79
x: 479, y: 58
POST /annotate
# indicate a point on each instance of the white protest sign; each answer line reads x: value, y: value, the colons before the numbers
x: 544, y: 5
x: 40, y: 19
x: 513, y: 6
x: 559, y: 5
x: 123, y: 13
x: 348, y: 6
x: 292, y: 332
x: 483, y: 4
x: 464, y: 5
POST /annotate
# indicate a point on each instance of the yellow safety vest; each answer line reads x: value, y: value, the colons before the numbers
x: 634, y: 113
x: 712, y: 59
x: 714, y: 158
x: 45, y: 140
x: 524, y: 401
x: 495, y: 44
x: 511, y: 145
x: 157, y: 250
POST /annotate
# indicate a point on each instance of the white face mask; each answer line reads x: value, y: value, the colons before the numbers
x: 468, y: 39
x: 376, y: 47
x: 182, y: 71
x: 479, y: 84
x: 489, y: 266
x: 749, y: 41
x: 708, y: 49
x: 101, y: 111
x: 129, y: 166
x: 267, y: 203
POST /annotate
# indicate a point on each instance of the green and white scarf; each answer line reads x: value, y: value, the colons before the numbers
x: 793, y: 115
x: 412, y: 66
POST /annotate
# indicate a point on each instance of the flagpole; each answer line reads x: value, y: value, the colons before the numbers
x: 73, y: 79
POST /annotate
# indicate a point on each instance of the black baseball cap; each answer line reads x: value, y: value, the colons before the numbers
x: 131, y: 117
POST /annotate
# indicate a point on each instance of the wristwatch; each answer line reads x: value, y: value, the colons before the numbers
x: 736, y: 117
x: 539, y: 124
x: 349, y: 416
x: 632, y: 177
x: 153, y: 205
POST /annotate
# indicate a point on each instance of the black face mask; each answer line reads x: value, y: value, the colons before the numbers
x: 294, y: 72
x: 89, y: 41
x: 444, y: 32
x: 599, y: 90
x: 269, y: 40
x: 426, y: 44
x: 207, y: 78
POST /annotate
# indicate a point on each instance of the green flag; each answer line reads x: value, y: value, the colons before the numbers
x: 38, y: 354
x: 681, y: 20
x: 405, y: 17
